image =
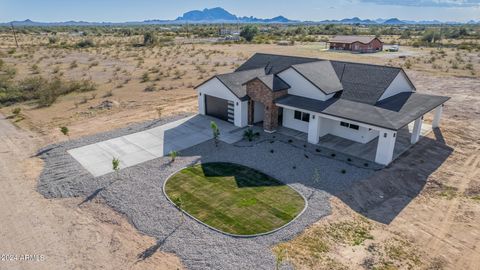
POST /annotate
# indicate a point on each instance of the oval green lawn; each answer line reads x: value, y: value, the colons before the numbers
x: 234, y: 199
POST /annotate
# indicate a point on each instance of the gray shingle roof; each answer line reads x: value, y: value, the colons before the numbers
x: 235, y: 80
x: 351, y: 39
x: 363, y: 85
x: 274, y: 82
x: 360, y: 82
x: 321, y: 74
x: 391, y: 113
x: 272, y: 63
x: 363, y: 82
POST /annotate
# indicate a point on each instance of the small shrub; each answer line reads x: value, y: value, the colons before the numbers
x: 145, y: 77
x: 93, y: 64
x: 52, y: 40
x: 272, y: 151
x: 333, y: 155
x: 343, y: 171
x: 250, y: 135
x: 83, y: 100
x: 64, y: 130
x: 73, y: 64
x: 86, y: 43
x: 173, y: 155
x: 16, y: 111
x: 109, y: 93
x: 150, y: 88
x: 116, y: 166
x: 215, y: 132
x: 159, y: 111
x: 35, y: 69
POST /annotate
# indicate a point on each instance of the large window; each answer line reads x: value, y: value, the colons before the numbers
x: 348, y: 125
x: 302, y: 116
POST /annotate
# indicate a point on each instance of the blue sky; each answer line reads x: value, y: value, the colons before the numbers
x: 134, y: 10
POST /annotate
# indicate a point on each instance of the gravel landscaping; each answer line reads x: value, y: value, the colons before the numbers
x: 137, y: 193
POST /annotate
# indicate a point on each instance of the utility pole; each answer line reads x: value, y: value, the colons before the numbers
x: 14, y: 34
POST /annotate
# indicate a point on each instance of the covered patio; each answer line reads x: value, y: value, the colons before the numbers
x: 359, y: 150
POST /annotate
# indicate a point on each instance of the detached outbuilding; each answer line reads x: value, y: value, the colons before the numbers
x: 358, y: 44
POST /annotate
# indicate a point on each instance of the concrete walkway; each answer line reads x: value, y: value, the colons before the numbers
x: 153, y: 143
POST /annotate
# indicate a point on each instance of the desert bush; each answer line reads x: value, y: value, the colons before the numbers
x: 150, y: 88
x: 81, y: 86
x: 149, y: 39
x: 249, y: 32
x: 145, y: 77
x: 44, y: 91
x: 73, y: 64
x: 35, y: 69
x: 93, y: 64
x: 86, y: 43
x: 52, y: 40
x: 16, y: 111
x: 109, y: 93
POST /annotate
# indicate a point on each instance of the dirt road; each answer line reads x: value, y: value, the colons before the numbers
x: 60, y: 234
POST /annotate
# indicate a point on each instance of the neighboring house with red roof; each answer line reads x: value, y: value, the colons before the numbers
x: 359, y: 44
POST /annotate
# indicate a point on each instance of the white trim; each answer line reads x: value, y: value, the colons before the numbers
x: 336, y: 118
x: 437, y: 116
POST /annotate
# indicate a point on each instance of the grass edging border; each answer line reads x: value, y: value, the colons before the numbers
x: 226, y: 233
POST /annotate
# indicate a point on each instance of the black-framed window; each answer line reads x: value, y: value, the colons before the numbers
x: 353, y: 126
x: 302, y: 116
x: 348, y: 125
x: 306, y: 117
x: 298, y: 115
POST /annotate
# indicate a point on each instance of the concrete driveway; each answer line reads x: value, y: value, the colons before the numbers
x: 153, y: 143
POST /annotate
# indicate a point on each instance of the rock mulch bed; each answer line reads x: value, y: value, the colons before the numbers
x: 137, y: 192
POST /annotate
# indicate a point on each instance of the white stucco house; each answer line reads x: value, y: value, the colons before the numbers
x: 358, y: 102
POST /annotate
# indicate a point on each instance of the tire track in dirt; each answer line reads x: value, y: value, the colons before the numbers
x: 70, y: 237
x: 471, y: 169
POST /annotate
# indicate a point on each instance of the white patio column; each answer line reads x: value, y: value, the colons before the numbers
x: 417, y: 128
x: 385, y: 146
x: 201, y: 103
x: 437, y: 116
x: 314, y: 129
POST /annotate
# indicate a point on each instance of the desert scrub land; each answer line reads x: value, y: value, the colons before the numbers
x: 128, y: 75
x: 101, y: 81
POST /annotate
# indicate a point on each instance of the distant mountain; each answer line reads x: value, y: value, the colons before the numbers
x: 394, y: 21
x: 220, y: 15
x: 356, y: 20
x: 214, y: 14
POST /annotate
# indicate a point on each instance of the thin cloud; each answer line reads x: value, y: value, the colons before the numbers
x: 426, y: 3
